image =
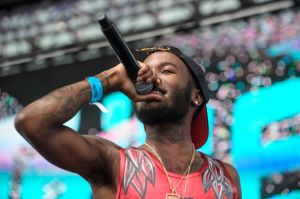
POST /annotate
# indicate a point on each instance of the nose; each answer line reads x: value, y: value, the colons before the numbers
x: 157, y: 76
x: 158, y: 81
x: 155, y: 71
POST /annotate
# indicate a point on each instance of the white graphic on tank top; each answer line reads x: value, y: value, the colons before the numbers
x: 139, y: 170
x: 215, y: 178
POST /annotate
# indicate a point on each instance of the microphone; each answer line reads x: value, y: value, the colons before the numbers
x: 123, y: 53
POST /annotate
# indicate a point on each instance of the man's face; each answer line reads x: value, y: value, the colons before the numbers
x: 175, y: 87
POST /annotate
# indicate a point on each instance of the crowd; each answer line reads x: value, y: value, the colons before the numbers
x: 49, y: 25
x: 281, y: 130
x: 277, y: 183
x: 8, y: 105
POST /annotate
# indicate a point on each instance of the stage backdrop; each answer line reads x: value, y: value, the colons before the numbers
x: 254, y: 113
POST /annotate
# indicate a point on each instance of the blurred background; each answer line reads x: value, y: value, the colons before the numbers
x: 249, y: 48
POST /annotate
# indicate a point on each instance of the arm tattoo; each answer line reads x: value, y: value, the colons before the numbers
x: 104, y: 76
x: 63, y: 103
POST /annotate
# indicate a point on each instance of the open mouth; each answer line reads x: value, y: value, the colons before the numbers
x: 158, y: 91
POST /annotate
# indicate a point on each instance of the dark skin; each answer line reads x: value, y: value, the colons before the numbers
x: 96, y: 159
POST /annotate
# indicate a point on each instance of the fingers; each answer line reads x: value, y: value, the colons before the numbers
x: 148, y: 77
x: 144, y: 68
x: 135, y: 97
x: 145, y: 74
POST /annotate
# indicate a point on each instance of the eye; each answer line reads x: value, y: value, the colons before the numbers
x: 166, y: 71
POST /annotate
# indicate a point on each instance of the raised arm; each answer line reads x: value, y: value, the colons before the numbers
x: 41, y: 124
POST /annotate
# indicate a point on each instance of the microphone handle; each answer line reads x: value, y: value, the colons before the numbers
x: 123, y: 53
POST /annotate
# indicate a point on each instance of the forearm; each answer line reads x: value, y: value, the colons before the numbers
x: 58, y: 106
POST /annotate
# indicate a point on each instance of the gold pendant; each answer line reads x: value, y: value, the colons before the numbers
x: 172, y: 196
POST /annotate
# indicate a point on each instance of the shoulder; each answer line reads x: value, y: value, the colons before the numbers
x: 230, y: 170
x: 107, y: 152
x: 234, y: 175
x: 93, y: 139
x: 106, y: 168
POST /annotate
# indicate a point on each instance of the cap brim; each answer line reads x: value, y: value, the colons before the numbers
x: 139, y: 55
x: 199, y: 131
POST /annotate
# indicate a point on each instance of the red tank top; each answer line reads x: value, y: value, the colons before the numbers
x: 142, y: 176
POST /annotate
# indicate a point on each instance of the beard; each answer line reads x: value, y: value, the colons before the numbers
x: 164, y: 113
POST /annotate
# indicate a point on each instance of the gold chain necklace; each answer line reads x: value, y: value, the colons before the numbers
x: 174, y: 194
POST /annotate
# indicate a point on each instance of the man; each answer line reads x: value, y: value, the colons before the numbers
x: 174, y: 115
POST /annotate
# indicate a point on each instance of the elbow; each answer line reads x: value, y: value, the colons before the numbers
x: 22, y: 123
x: 29, y: 127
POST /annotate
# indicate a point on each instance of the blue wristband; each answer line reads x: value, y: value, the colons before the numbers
x: 96, y: 88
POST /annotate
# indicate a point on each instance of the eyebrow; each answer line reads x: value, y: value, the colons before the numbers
x: 167, y: 63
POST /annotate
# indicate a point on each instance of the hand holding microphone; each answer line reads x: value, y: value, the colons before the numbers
x: 123, y: 53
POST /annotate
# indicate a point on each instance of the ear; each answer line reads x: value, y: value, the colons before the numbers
x: 197, y: 99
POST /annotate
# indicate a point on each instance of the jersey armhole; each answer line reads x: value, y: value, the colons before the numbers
x: 229, y: 178
x: 121, y: 172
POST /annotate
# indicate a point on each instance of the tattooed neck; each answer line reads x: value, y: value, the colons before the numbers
x: 168, y: 134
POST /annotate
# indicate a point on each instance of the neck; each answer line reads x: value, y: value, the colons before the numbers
x: 179, y: 133
x: 173, y: 144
